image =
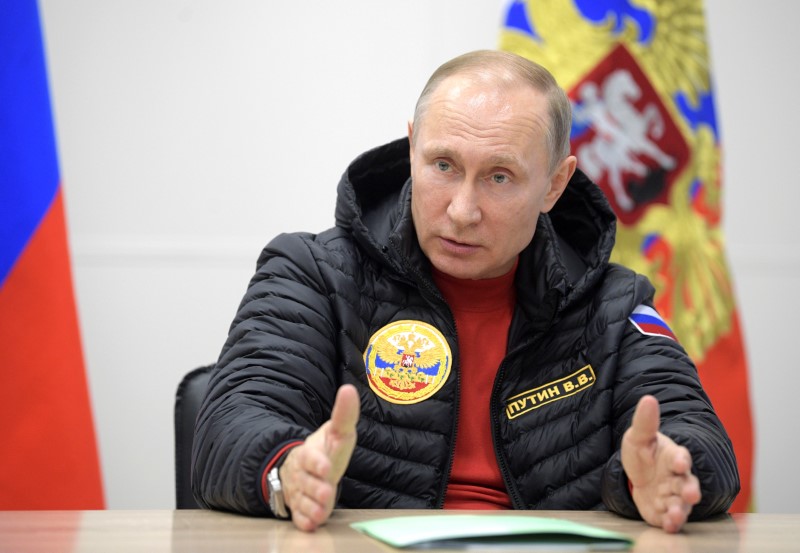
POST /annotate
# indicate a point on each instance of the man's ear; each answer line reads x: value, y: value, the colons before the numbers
x: 410, y: 139
x: 559, y: 181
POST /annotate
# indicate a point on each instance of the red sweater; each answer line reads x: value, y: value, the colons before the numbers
x: 483, y: 310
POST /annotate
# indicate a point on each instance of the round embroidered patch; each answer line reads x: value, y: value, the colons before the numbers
x: 407, y: 361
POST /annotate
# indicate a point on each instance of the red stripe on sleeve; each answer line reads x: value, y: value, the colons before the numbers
x: 278, y: 456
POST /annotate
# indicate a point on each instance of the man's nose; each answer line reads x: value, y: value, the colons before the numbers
x: 464, y: 208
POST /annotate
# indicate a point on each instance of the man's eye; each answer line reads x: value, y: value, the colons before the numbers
x: 442, y: 166
x: 499, y: 178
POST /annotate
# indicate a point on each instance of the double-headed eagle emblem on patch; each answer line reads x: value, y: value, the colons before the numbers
x: 407, y: 361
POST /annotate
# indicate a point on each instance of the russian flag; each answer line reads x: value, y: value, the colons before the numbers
x: 49, y: 455
x: 648, y: 321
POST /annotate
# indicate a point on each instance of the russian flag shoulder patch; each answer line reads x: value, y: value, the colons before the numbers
x: 649, y: 322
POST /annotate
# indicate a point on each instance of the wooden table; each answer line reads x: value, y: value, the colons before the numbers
x: 199, y: 531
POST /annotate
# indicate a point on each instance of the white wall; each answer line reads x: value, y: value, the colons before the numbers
x: 190, y: 132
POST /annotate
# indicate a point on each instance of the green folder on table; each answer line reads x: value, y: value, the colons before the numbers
x: 489, y: 531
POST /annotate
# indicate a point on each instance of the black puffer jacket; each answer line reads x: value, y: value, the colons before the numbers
x: 563, y: 396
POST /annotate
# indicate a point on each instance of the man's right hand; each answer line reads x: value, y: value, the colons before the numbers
x: 311, y: 472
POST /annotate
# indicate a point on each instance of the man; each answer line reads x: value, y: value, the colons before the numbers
x: 485, y: 353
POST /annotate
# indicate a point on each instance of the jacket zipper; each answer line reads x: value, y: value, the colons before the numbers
x: 432, y: 291
x: 454, y: 432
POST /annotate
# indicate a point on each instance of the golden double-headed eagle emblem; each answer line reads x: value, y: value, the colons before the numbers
x: 407, y: 361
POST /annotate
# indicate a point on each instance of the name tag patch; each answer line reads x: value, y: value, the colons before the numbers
x: 552, y: 391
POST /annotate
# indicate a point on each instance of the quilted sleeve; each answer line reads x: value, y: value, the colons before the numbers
x: 274, y: 382
x: 658, y: 365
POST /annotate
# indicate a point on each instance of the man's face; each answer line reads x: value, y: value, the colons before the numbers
x: 479, y: 167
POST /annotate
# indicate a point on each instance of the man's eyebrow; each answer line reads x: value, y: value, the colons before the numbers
x: 504, y: 160
x: 438, y: 150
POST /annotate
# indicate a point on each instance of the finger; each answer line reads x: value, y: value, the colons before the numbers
x: 676, y: 515
x: 307, y: 520
x: 690, y: 492
x: 681, y: 461
x: 346, y: 409
x: 677, y: 485
x: 671, y: 524
x: 684, y: 488
x: 317, y: 504
x: 302, y: 522
x: 312, y: 505
x: 304, y: 515
x: 646, y: 421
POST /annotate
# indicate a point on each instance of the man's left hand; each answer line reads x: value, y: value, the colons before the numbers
x: 660, y: 471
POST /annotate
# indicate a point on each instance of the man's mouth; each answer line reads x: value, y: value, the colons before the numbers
x: 454, y: 246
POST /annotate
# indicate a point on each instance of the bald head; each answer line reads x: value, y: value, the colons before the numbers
x: 504, y: 71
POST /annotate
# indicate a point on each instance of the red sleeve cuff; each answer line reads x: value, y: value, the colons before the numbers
x: 272, y: 462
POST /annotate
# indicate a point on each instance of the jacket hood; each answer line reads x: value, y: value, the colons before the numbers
x: 570, y: 248
x: 374, y: 196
